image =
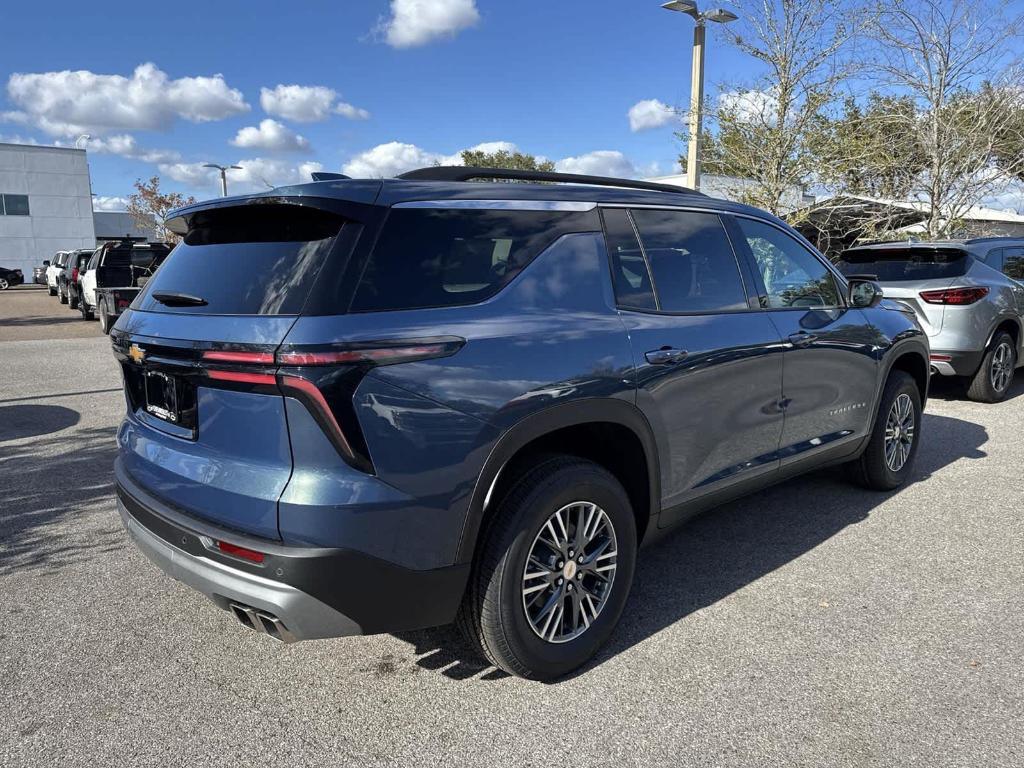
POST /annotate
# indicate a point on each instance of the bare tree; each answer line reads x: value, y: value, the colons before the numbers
x: 765, y: 131
x: 951, y: 58
x: 149, y: 206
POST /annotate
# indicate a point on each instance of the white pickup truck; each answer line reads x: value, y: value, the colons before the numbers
x: 115, y: 275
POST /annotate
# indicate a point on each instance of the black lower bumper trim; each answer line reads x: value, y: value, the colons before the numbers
x: 378, y: 595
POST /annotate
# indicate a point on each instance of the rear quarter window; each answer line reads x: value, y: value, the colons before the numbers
x: 437, y: 257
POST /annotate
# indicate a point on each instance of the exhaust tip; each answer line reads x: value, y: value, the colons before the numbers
x: 262, y: 622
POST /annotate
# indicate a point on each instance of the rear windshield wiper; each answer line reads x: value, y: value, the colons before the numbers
x: 178, y: 299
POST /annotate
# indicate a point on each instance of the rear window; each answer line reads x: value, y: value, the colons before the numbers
x: 895, y: 264
x: 138, y: 258
x: 251, y: 260
x: 428, y: 257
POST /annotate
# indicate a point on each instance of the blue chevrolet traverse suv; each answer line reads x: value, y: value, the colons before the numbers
x: 361, y: 406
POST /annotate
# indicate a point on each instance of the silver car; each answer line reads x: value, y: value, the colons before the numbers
x: 967, y: 297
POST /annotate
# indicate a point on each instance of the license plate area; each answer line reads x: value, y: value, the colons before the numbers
x: 162, y: 396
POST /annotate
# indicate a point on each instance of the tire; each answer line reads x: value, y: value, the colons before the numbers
x: 51, y: 291
x: 993, y: 379
x: 62, y: 296
x: 85, y: 309
x: 496, y: 615
x: 4, y: 284
x: 104, y: 318
x: 876, y: 469
x: 72, y: 300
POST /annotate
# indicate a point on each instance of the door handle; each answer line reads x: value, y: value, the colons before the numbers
x: 666, y: 356
x: 802, y: 339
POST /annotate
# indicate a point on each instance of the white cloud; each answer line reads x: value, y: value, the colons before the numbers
x: 395, y: 157
x: 417, y: 22
x: 351, y: 112
x: 605, y: 162
x: 750, y: 106
x: 271, y: 136
x: 257, y: 173
x: 68, y: 103
x: 307, y: 103
x: 123, y: 145
x: 106, y: 203
x: 387, y: 160
x: 650, y: 113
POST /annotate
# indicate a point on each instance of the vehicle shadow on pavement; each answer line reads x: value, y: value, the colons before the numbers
x: 20, y: 421
x: 946, y: 389
x: 49, y: 481
x: 728, y: 548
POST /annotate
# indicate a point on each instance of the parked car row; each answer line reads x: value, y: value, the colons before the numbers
x: 101, y: 282
x: 362, y: 406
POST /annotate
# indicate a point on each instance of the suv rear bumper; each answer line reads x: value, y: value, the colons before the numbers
x: 955, y: 363
x: 297, y: 593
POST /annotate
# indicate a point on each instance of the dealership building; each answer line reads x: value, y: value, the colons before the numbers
x: 45, y: 204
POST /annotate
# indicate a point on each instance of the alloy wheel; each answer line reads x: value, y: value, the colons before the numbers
x: 1001, y: 370
x: 569, y: 572
x: 3, y: 284
x: 899, y: 432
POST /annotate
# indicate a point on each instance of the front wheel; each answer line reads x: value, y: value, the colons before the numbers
x: 889, y: 457
x: 4, y: 285
x: 992, y: 381
x: 554, y: 570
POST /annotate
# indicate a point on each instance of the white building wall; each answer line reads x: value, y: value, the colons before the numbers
x: 56, y: 181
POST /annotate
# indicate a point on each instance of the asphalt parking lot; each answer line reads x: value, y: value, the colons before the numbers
x: 811, y: 624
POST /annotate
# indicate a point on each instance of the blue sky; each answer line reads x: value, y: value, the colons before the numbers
x: 373, y: 87
x: 554, y: 78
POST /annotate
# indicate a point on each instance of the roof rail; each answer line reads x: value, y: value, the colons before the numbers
x: 468, y: 173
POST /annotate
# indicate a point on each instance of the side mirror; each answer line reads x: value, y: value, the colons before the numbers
x: 864, y: 293
x: 46, y: 263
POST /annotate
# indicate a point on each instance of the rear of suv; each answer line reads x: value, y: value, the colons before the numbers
x: 968, y: 298
x: 362, y: 406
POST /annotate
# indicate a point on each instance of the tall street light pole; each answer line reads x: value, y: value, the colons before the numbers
x: 223, y: 175
x: 720, y: 16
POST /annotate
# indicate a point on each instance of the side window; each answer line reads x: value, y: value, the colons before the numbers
x: 1013, y: 262
x: 632, y: 280
x: 793, y: 276
x: 691, y: 261
x: 95, y: 260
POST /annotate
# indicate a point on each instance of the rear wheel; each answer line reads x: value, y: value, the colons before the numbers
x: 72, y: 299
x: 4, y: 285
x: 85, y: 309
x: 62, y: 295
x: 51, y: 291
x: 889, y: 457
x: 992, y: 381
x: 554, y: 570
x: 104, y: 317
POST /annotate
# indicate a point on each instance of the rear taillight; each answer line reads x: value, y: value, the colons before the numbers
x: 382, y: 354
x: 955, y: 296
x: 326, y: 396
x: 74, y: 274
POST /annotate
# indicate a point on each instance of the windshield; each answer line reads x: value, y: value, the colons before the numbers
x: 895, y: 264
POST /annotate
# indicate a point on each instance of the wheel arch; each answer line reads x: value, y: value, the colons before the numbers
x: 584, y: 428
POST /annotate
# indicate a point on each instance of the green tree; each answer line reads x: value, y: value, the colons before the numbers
x: 519, y: 161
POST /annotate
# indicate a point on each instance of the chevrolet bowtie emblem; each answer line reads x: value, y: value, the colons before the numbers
x: 136, y: 353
